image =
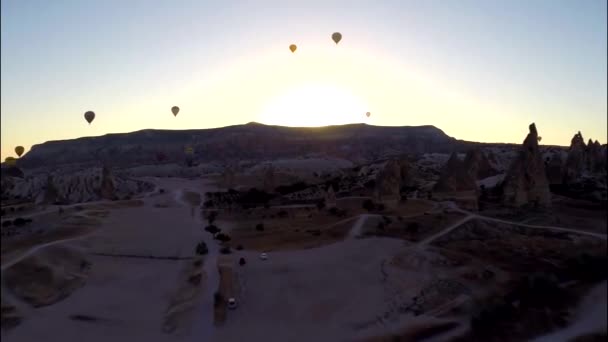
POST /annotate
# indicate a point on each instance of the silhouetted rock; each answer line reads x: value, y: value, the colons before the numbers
x: 454, y: 177
x: 389, y: 180
x: 477, y: 165
x: 526, y: 181
x: 576, y: 161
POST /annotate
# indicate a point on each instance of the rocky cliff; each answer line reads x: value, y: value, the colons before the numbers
x: 243, y: 142
x: 526, y: 181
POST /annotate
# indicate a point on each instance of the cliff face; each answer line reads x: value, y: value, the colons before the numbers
x: 526, y: 181
x: 576, y: 161
x: 243, y: 142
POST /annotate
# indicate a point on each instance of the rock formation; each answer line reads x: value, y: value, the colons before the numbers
x: 269, y: 183
x: 390, y: 178
x: 330, y: 197
x: 454, y: 177
x: 596, y: 162
x: 526, y: 181
x: 73, y: 186
x: 477, y: 165
x: 576, y: 161
x: 554, y: 167
x: 107, y: 184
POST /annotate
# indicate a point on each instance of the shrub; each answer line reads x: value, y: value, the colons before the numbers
x: 19, y: 221
x: 368, y: 205
x: 259, y: 227
x: 412, y: 227
x: 321, y: 204
x: 225, y: 250
x: 201, y: 248
x: 161, y: 190
x: 212, y: 229
x: 195, y: 279
x: 222, y: 237
x: 242, y: 261
x: 211, y: 217
x: 198, y: 263
x: 239, y: 247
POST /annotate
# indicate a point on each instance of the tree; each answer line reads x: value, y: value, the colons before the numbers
x: 211, y: 217
x: 321, y: 204
x: 201, y: 248
x: 242, y: 261
x: 368, y: 205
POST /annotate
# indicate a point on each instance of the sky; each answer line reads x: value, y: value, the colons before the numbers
x: 478, y: 70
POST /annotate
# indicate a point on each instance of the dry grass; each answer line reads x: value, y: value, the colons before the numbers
x: 427, y: 225
x: 286, y: 234
x: 184, y: 301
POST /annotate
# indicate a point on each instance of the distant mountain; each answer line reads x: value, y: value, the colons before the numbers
x: 252, y: 141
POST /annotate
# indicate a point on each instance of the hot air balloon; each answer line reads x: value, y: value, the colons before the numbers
x: 19, y: 150
x: 368, y: 114
x: 89, y: 116
x: 336, y: 36
x: 293, y: 47
x: 175, y: 110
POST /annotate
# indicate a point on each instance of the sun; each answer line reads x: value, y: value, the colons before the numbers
x: 314, y: 105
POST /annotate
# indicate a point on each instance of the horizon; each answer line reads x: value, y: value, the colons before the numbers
x: 501, y: 67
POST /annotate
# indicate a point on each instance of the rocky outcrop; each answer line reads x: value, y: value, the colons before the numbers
x: 596, y: 161
x: 78, y: 186
x: 330, y: 197
x: 526, y: 181
x: 268, y: 181
x: 454, y: 177
x: 576, y: 161
x: 477, y: 165
x: 389, y: 180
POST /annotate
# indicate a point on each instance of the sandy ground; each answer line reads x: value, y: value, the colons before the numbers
x: 128, y: 296
x: 332, y: 293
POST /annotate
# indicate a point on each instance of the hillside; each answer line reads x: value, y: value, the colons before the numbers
x: 252, y: 141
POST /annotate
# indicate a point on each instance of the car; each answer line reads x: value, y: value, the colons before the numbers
x: 263, y: 256
x: 231, y: 303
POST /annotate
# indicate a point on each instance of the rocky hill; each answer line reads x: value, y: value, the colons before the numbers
x: 253, y: 141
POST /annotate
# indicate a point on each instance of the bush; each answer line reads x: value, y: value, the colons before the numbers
x: 201, y: 248
x: 198, y: 263
x: 368, y: 205
x: 412, y: 227
x: 19, y: 221
x: 321, y: 204
x: 239, y: 247
x: 195, y: 279
x: 222, y: 237
x: 212, y: 229
x: 225, y: 250
x: 259, y: 227
x: 211, y: 217
x: 242, y: 261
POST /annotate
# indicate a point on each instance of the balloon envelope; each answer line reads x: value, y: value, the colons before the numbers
x: 19, y: 150
x: 336, y: 36
x: 293, y: 47
x: 368, y: 114
x: 89, y: 116
x: 175, y: 110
